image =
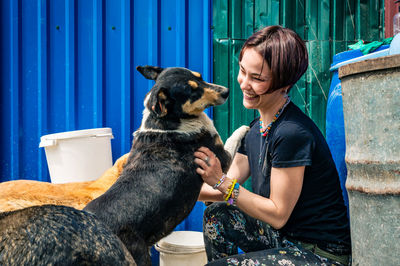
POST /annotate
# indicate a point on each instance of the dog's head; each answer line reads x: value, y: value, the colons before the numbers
x: 180, y: 92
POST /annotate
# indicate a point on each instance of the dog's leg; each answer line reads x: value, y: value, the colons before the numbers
x: 141, y: 253
x: 226, y: 152
x: 232, y: 144
x: 137, y: 246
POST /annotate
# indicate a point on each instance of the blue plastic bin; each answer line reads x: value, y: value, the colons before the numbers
x: 335, y: 135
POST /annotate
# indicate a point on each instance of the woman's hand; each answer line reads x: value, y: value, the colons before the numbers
x: 209, y: 166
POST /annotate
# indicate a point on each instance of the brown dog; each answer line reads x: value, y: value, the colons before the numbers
x: 19, y: 194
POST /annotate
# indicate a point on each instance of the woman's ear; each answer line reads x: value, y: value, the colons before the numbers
x: 149, y: 72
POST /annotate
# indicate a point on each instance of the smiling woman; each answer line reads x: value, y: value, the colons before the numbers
x: 295, y: 184
x: 255, y: 80
x: 254, y: 70
x: 282, y: 51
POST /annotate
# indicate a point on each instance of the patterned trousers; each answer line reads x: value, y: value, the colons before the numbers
x: 226, y: 229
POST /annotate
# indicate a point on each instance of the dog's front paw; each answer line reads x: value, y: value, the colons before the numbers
x: 232, y: 144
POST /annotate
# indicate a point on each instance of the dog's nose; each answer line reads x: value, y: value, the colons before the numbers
x: 225, y: 93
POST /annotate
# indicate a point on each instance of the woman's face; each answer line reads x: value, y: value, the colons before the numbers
x: 254, y: 83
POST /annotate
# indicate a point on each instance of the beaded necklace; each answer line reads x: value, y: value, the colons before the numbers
x: 265, y: 130
x: 264, y: 133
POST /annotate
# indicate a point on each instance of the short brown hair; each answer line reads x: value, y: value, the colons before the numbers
x: 284, y: 52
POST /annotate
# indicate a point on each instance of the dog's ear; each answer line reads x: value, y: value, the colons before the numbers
x: 150, y: 72
x: 158, y: 101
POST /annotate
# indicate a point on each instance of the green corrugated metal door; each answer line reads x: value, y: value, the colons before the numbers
x: 327, y: 26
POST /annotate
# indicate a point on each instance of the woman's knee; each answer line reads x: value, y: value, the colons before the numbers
x: 217, y: 220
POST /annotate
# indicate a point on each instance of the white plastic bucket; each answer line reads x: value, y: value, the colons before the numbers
x: 76, y: 156
x: 182, y: 248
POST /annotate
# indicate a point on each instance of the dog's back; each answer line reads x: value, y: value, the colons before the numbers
x: 19, y: 194
x: 58, y: 235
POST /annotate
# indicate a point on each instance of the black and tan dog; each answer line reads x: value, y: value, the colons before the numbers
x: 158, y: 186
x: 58, y: 235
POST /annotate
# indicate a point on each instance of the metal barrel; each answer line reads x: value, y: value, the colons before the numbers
x: 371, y: 109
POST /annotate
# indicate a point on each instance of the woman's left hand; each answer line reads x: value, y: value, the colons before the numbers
x: 210, y: 166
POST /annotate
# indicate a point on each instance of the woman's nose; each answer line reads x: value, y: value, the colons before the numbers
x: 243, y: 81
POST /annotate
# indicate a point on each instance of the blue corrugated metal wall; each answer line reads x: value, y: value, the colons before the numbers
x: 69, y: 64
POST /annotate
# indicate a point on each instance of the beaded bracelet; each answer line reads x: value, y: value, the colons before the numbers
x: 234, y: 196
x: 220, y: 181
x: 230, y: 190
x: 235, y: 193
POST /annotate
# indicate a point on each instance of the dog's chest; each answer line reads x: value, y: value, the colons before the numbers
x: 168, y: 147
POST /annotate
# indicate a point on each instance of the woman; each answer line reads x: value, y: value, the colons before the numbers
x: 295, y: 212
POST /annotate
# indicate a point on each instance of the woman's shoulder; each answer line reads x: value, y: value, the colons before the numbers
x: 293, y: 126
x: 295, y: 120
x: 293, y: 132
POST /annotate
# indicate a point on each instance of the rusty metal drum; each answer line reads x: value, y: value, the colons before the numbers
x: 371, y: 109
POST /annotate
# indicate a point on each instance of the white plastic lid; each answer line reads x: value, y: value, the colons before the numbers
x: 181, y: 242
x: 46, y: 140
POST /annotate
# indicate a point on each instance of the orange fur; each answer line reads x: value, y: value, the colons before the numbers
x: 20, y: 194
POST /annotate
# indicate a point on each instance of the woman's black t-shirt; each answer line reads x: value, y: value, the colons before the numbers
x: 320, y: 215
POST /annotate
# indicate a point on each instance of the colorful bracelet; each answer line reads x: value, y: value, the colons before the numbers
x: 234, y: 195
x: 230, y: 190
x: 222, y: 179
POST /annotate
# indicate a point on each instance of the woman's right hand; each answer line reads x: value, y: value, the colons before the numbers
x: 212, y: 173
x: 209, y: 166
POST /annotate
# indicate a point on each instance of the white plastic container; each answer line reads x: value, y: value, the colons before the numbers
x: 182, y: 248
x: 395, y: 45
x: 76, y: 156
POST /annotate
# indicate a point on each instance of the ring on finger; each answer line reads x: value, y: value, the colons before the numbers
x: 207, y: 159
